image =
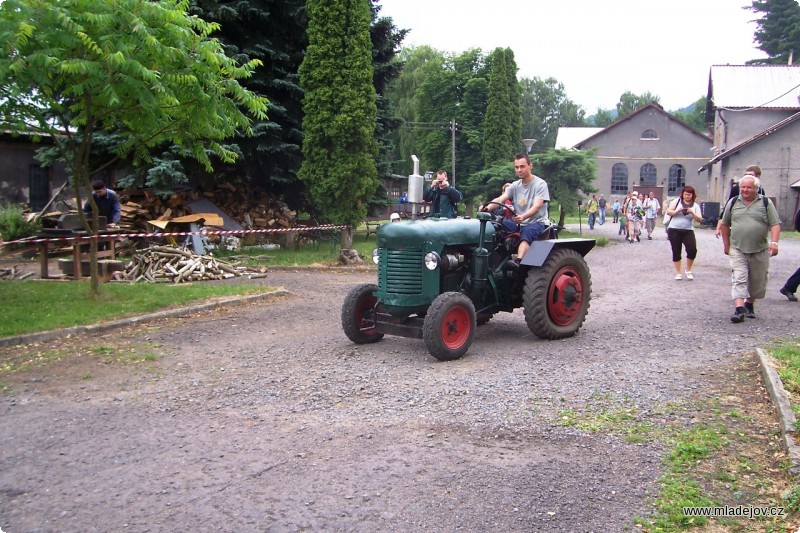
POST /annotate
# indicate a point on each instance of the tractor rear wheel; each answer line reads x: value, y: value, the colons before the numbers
x: 449, y: 326
x: 557, y: 295
x: 358, y: 314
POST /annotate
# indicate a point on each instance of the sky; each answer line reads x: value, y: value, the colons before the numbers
x: 598, y: 49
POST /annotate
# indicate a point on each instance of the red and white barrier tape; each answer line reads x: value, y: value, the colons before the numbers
x: 172, y: 234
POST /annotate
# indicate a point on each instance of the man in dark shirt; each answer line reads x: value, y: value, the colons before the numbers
x: 107, y: 203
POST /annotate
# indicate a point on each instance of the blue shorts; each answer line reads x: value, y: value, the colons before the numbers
x: 528, y: 232
x: 531, y: 232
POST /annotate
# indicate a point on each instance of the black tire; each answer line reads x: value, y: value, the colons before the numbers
x: 356, y: 314
x: 557, y: 295
x: 449, y: 326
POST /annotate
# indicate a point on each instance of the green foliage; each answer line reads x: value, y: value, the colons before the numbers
x: 13, y: 224
x: 502, y: 133
x: 603, y: 117
x: 566, y: 172
x: 696, y: 117
x: 547, y: 108
x: 778, y: 33
x: 339, y: 146
x: 629, y: 102
x: 145, y: 71
x: 274, y: 33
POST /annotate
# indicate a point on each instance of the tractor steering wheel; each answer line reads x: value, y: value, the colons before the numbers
x: 505, y: 206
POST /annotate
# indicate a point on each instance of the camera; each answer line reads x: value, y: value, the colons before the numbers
x: 685, y: 212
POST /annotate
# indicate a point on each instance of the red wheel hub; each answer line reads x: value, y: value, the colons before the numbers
x: 565, y: 296
x: 455, y: 328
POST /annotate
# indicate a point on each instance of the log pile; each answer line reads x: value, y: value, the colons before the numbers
x: 13, y: 273
x: 164, y: 264
x: 252, y: 208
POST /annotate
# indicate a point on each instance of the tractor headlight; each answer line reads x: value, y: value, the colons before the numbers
x: 431, y: 260
x: 376, y: 255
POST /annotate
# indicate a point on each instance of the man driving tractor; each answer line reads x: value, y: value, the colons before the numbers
x: 529, y: 196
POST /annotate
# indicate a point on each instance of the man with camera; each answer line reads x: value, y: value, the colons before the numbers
x: 443, y: 198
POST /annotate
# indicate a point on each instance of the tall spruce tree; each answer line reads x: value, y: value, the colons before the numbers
x: 274, y: 32
x: 502, y: 133
x: 778, y: 33
x: 339, y: 146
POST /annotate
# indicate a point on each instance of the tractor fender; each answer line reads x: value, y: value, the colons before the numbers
x: 539, y: 251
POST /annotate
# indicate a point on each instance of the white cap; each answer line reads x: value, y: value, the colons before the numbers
x: 394, y: 216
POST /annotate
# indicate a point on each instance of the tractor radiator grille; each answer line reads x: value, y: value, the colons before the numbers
x: 403, y: 272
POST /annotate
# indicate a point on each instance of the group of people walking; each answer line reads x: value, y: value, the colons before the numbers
x: 749, y: 228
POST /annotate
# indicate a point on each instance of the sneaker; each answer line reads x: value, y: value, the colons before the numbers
x: 649, y: 238
x: 789, y: 295
x: 738, y: 315
x: 678, y: 277
x: 638, y: 239
x: 750, y: 312
x: 689, y: 275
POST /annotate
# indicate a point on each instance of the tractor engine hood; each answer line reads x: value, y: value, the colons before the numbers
x: 437, y: 231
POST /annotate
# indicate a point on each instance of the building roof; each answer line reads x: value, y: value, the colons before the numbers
x: 568, y: 137
x: 750, y: 140
x: 650, y: 106
x: 754, y: 86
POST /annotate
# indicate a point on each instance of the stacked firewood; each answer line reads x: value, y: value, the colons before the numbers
x: 165, y: 264
x: 252, y: 208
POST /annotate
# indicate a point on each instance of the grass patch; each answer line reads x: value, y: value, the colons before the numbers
x: 786, y: 353
x: 30, y: 306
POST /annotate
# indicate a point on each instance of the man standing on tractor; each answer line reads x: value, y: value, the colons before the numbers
x: 529, y: 196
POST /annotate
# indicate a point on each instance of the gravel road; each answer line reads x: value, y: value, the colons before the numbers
x: 265, y: 417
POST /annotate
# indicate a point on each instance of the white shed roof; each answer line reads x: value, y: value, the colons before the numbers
x: 568, y: 137
x: 760, y: 86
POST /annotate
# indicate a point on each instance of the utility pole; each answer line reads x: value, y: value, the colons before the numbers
x: 453, y: 148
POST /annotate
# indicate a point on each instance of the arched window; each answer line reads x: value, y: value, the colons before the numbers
x: 677, y: 179
x: 649, y: 134
x: 648, y: 174
x: 619, y: 179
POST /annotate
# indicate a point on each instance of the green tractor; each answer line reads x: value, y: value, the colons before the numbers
x: 438, y: 279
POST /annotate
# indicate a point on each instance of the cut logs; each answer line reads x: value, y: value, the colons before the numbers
x: 165, y: 264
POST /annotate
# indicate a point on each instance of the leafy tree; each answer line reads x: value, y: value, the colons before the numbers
x: 778, y: 33
x: 339, y: 147
x: 603, y: 117
x: 566, y: 172
x: 418, y: 62
x: 502, y: 128
x: 629, y: 102
x: 547, y: 108
x: 696, y: 116
x: 145, y: 70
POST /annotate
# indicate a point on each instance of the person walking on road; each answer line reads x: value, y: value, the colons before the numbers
x: 591, y: 211
x: 651, y: 208
x: 750, y: 231
x: 684, y: 212
x: 601, y: 210
x: 790, y: 287
x: 615, y: 209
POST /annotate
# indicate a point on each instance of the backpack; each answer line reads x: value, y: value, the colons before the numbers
x: 733, y: 199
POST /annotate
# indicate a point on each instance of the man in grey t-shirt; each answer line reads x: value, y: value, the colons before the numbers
x: 750, y: 229
x: 530, y: 196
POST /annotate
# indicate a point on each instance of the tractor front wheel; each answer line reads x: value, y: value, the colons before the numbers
x: 358, y: 314
x: 449, y: 326
x: 557, y: 294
